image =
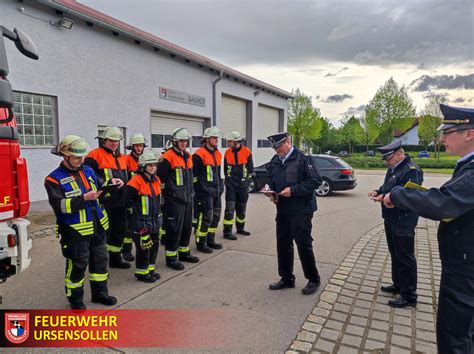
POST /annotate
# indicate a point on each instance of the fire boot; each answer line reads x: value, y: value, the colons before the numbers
x: 228, y: 233
x: 127, y: 252
x: 240, y: 229
x: 186, y: 256
x: 116, y: 261
x: 201, y: 245
x: 104, y: 299
x: 172, y: 261
x: 211, y: 241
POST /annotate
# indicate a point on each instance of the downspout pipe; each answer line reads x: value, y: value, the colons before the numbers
x: 214, y: 98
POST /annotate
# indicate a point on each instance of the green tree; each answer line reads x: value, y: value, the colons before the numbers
x: 430, y: 120
x: 369, y: 126
x: 351, y: 132
x: 304, y: 121
x: 392, y: 109
x: 324, y: 139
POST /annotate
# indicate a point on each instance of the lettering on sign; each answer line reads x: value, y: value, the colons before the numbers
x: 183, y: 97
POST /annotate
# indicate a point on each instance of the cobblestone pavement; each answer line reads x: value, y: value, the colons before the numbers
x: 352, y: 315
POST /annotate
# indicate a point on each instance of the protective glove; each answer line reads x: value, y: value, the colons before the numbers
x: 146, y: 242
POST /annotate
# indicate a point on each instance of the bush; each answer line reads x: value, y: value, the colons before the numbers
x: 413, y: 148
x: 376, y: 162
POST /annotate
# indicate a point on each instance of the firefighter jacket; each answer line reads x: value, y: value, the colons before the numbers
x: 175, y: 171
x: 108, y: 165
x: 132, y: 164
x: 143, y: 195
x: 207, y: 172
x: 238, y: 167
x: 302, y: 176
x: 405, y: 171
x: 74, y: 215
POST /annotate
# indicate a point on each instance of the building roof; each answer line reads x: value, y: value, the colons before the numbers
x: 399, y: 133
x: 81, y: 11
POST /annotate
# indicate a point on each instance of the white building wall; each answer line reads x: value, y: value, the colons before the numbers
x: 410, y: 137
x: 100, y: 79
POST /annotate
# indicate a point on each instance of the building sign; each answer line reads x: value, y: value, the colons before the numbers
x: 183, y: 97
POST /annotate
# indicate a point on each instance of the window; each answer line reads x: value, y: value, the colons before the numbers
x: 100, y: 130
x: 159, y: 140
x: 263, y: 143
x: 35, y: 116
x: 224, y: 142
x: 322, y: 162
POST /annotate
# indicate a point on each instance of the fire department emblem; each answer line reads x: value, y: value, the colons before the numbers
x: 17, y: 327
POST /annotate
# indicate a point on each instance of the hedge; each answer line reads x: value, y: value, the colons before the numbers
x: 414, y: 148
x: 376, y: 162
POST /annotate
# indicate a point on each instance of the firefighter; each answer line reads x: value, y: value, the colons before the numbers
x: 238, y: 167
x: 208, y: 187
x: 137, y: 144
x: 109, y: 163
x: 82, y: 222
x: 143, y: 195
x: 176, y: 173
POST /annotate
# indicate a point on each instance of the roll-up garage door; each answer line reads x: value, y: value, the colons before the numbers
x: 163, y: 124
x: 267, y: 124
x: 233, y: 115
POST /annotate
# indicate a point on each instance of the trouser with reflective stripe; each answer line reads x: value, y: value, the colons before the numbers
x: 117, y: 228
x: 209, y: 213
x: 145, y: 259
x: 177, y: 223
x: 81, y: 251
x: 235, y: 202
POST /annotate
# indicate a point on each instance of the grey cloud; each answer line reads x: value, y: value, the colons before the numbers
x: 447, y: 82
x: 337, y: 72
x: 354, y: 110
x: 459, y: 100
x: 338, y: 98
x: 307, y: 31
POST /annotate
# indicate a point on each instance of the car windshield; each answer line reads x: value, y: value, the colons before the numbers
x: 343, y: 163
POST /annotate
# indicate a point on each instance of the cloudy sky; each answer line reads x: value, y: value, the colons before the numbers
x: 337, y: 51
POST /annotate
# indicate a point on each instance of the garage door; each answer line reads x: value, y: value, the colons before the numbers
x: 233, y: 115
x: 267, y: 124
x: 163, y: 124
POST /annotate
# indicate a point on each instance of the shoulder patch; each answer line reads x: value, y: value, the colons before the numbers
x: 66, y: 180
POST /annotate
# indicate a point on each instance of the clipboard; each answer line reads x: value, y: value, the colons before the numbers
x: 109, y: 188
x: 411, y: 185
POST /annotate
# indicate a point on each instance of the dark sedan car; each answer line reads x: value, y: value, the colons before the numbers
x: 337, y: 175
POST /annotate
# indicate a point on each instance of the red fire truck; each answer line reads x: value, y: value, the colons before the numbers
x: 14, y: 202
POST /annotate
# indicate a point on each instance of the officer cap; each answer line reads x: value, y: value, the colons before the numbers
x: 112, y: 133
x: 136, y: 138
x: 234, y: 136
x: 277, y: 140
x: 147, y: 157
x: 71, y: 145
x: 456, y: 117
x: 389, y: 149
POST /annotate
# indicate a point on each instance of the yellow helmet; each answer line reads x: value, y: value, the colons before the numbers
x: 71, y: 145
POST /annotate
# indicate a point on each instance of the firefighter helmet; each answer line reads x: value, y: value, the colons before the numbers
x: 234, y: 136
x: 181, y: 134
x: 112, y: 133
x: 211, y: 132
x: 147, y: 157
x: 71, y: 145
x: 135, y: 139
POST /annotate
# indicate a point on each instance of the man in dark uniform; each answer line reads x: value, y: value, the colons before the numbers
x: 400, y: 225
x: 453, y: 205
x: 293, y: 181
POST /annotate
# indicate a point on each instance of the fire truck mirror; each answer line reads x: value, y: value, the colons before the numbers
x: 25, y: 45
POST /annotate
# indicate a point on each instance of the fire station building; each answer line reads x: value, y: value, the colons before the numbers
x: 95, y: 71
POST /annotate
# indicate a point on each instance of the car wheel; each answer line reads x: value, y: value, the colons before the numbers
x: 324, y: 189
x: 252, y: 185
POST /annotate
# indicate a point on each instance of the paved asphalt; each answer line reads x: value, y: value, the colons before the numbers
x: 235, y: 278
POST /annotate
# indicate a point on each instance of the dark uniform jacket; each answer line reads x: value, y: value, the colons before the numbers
x: 238, y: 167
x: 143, y: 195
x: 207, y: 172
x: 399, y: 176
x: 453, y: 205
x: 108, y: 165
x: 301, y: 174
x: 175, y: 171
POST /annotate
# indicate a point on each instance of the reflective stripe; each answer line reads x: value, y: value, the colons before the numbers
x: 144, y: 205
x: 142, y: 271
x: 151, y: 267
x: 245, y: 171
x: 228, y: 222
x: 195, y: 179
x: 183, y: 249
x: 98, y: 277
x: 66, y: 206
x: 179, y: 177
x: 107, y: 175
x: 105, y: 221
x: 82, y: 216
x: 127, y: 240
x: 212, y: 230
x: 162, y: 186
x: 199, y: 233
x: 239, y: 220
x: 171, y: 253
x: 210, y: 173
x: 113, y: 248
x: 69, y: 284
